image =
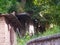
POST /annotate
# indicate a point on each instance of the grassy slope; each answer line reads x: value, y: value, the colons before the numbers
x: 24, y: 40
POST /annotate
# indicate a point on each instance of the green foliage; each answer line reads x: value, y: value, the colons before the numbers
x: 26, y: 38
x: 54, y: 30
x: 13, y: 6
x: 23, y: 40
x: 7, y: 6
x: 47, y: 7
x: 51, y: 8
x: 4, y: 5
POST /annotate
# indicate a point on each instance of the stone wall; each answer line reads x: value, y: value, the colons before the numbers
x: 4, y: 32
x: 7, y: 33
x: 49, y: 40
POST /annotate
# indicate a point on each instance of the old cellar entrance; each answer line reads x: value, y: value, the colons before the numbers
x: 10, y: 24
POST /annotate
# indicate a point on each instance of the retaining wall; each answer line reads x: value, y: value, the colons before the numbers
x: 49, y: 40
